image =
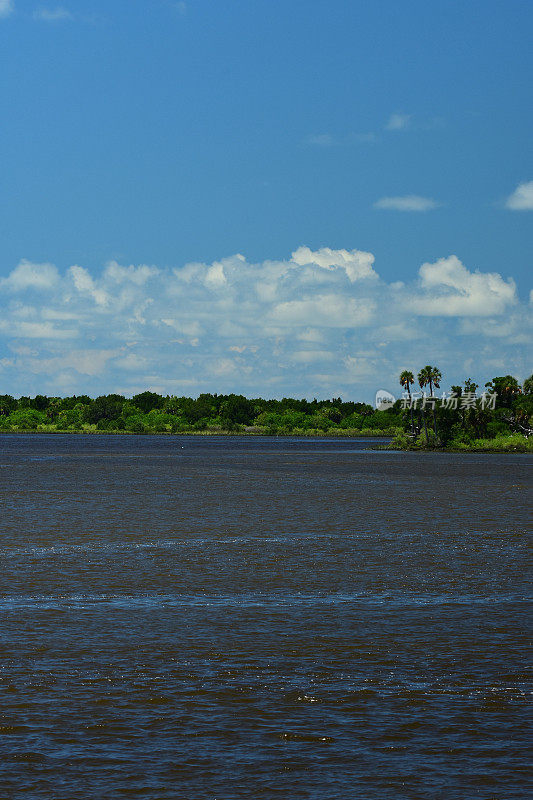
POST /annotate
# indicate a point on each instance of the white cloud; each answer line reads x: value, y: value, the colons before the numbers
x: 360, y: 366
x: 215, y: 276
x: 191, y: 328
x: 408, y: 202
x: 224, y: 367
x: 6, y: 8
x: 85, y: 285
x: 310, y: 335
x: 84, y: 362
x: 327, y: 310
x: 28, y: 275
x: 449, y: 289
x: 312, y: 356
x: 321, y: 321
x: 35, y: 330
x: 138, y: 275
x: 356, y: 263
x: 132, y: 362
x: 522, y: 198
x: 398, y: 122
x: 57, y: 14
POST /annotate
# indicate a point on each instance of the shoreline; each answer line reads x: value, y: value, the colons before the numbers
x: 299, y: 435
x: 512, y: 450
x: 444, y: 450
x: 383, y: 448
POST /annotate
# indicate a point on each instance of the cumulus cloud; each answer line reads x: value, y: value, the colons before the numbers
x: 450, y: 290
x: 356, y: 263
x: 28, y: 275
x: 408, y: 202
x: 215, y: 276
x: 522, y: 198
x: 325, y: 310
x: 137, y: 275
x: 321, y: 322
x: 85, y: 285
x: 57, y: 14
x: 6, y: 8
x: 398, y: 122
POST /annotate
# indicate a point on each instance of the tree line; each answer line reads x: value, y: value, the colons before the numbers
x: 149, y: 412
x: 460, y: 420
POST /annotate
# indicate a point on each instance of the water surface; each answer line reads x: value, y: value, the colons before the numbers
x: 222, y: 618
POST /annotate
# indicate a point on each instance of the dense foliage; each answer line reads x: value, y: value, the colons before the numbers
x: 497, y: 417
x: 210, y: 413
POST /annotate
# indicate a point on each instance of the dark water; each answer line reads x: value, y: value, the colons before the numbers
x: 259, y: 618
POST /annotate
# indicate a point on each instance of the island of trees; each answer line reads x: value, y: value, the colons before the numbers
x: 498, y: 418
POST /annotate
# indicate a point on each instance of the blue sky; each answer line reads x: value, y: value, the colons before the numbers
x: 162, y: 162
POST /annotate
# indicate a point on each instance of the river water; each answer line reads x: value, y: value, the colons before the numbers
x: 213, y: 618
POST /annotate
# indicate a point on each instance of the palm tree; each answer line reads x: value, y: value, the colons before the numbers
x: 432, y: 376
x: 406, y: 380
x: 527, y: 386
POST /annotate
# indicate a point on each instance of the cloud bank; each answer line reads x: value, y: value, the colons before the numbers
x: 320, y: 323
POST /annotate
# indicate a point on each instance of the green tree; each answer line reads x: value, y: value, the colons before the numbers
x: 431, y: 376
x: 422, y: 382
x: 105, y: 407
x: 406, y: 380
x: 70, y: 418
x: 135, y: 424
x: 40, y: 402
x: 26, y: 419
x: 53, y: 408
x: 506, y: 388
x: 470, y: 386
x: 237, y: 409
x: 146, y: 401
x: 7, y: 404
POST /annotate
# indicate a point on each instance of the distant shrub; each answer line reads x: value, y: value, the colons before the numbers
x: 135, y: 424
x: 26, y: 419
x: 402, y: 442
x: 431, y: 440
x: 513, y: 443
